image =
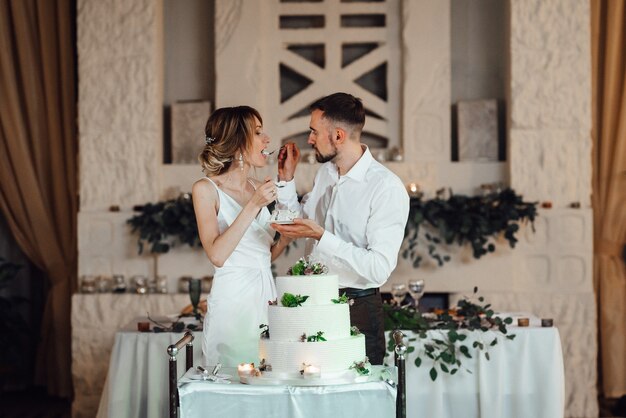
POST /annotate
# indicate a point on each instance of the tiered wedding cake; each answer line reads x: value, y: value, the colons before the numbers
x: 310, y: 326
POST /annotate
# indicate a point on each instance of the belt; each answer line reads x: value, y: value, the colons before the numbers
x: 358, y: 293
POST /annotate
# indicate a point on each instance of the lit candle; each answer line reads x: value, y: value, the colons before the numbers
x: 245, y: 369
x: 311, y: 371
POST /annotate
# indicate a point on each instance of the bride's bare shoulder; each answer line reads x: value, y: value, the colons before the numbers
x: 204, y: 188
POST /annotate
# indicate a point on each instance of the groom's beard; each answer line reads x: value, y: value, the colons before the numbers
x: 321, y: 158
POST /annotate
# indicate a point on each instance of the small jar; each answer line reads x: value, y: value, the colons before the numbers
x: 88, y: 284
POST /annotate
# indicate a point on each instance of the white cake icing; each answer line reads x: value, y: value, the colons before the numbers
x: 288, y: 324
x: 286, y: 352
x: 284, y: 215
x: 332, y: 356
x: 320, y: 288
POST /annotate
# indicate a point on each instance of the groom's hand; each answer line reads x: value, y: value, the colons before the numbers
x: 288, y: 158
x: 301, y: 228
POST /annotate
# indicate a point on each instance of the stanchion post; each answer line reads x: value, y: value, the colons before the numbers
x: 400, y: 352
x: 172, y: 351
x: 173, y: 389
x: 189, y: 353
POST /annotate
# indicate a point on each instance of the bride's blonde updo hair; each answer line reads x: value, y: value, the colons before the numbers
x: 228, y: 131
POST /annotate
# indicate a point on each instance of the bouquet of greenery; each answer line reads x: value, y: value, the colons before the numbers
x: 447, y: 350
x: 307, y: 267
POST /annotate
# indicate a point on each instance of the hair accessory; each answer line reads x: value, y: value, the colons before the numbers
x: 209, y: 140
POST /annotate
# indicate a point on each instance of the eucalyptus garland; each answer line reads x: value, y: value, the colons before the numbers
x: 163, y: 224
x: 447, y: 350
x: 460, y: 219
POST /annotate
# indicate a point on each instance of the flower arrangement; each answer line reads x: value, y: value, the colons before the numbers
x: 307, y: 267
x: 343, y: 299
x: 290, y: 300
x: 362, y: 367
x: 448, y: 349
x: 319, y: 336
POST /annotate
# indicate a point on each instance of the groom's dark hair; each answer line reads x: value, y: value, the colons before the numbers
x: 342, y: 107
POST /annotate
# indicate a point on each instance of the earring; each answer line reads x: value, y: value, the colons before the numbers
x: 241, y: 161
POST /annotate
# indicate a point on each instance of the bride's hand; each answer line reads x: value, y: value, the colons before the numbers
x: 264, y: 194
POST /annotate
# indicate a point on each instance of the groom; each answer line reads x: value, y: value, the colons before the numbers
x: 354, y: 217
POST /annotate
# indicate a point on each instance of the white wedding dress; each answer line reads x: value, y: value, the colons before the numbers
x: 241, y: 288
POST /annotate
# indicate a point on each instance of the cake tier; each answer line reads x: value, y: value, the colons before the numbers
x: 320, y: 288
x: 330, y: 356
x: 288, y: 324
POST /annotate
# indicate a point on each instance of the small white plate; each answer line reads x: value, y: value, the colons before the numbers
x: 280, y: 222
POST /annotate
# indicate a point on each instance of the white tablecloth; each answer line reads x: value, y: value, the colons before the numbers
x: 95, y: 320
x: 137, y: 384
x: 203, y: 399
x: 522, y: 379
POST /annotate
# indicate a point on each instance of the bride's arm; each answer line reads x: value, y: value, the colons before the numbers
x: 218, y: 247
x: 279, y: 246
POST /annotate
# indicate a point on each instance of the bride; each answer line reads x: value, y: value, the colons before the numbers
x: 232, y: 216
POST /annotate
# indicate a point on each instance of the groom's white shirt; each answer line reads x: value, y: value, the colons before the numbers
x: 364, y: 214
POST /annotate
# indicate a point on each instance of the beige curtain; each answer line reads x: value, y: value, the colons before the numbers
x: 609, y: 187
x: 38, y: 152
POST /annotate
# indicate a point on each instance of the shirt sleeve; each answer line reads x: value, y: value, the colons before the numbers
x: 287, y: 197
x: 384, y: 232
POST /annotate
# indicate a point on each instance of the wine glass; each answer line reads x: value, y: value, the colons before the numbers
x: 416, y: 290
x: 398, y: 292
x: 195, y: 288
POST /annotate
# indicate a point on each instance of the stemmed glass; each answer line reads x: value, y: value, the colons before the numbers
x: 195, y: 288
x: 416, y: 290
x: 398, y: 292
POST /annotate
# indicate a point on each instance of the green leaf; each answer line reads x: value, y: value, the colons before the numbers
x: 444, y: 368
x: 433, y: 374
x: 487, y: 355
x: 418, y: 361
x: 465, y: 351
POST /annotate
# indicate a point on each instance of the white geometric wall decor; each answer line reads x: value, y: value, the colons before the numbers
x: 307, y: 50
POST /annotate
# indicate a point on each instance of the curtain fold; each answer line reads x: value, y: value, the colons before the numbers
x: 608, y: 29
x: 38, y: 162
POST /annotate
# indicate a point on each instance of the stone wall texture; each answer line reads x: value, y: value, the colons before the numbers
x: 120, y: 101
x: 551, y: 100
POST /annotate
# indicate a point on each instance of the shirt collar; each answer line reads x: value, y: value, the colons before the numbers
x: 359, y: 169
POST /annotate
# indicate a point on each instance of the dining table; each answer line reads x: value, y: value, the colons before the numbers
x: 521, y: 377
x: 137, y: 381
x: 371, y: 396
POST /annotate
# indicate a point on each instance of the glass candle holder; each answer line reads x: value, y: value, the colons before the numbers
x: 245, y: 369
x: 312, y: 372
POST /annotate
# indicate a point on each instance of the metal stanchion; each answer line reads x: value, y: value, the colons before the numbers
x: 172, y: 351
x: 399, y: 357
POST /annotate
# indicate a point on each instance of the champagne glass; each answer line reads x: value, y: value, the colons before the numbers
x: 416, y: 290
x: 398, y: 292
x: 195, y: 288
